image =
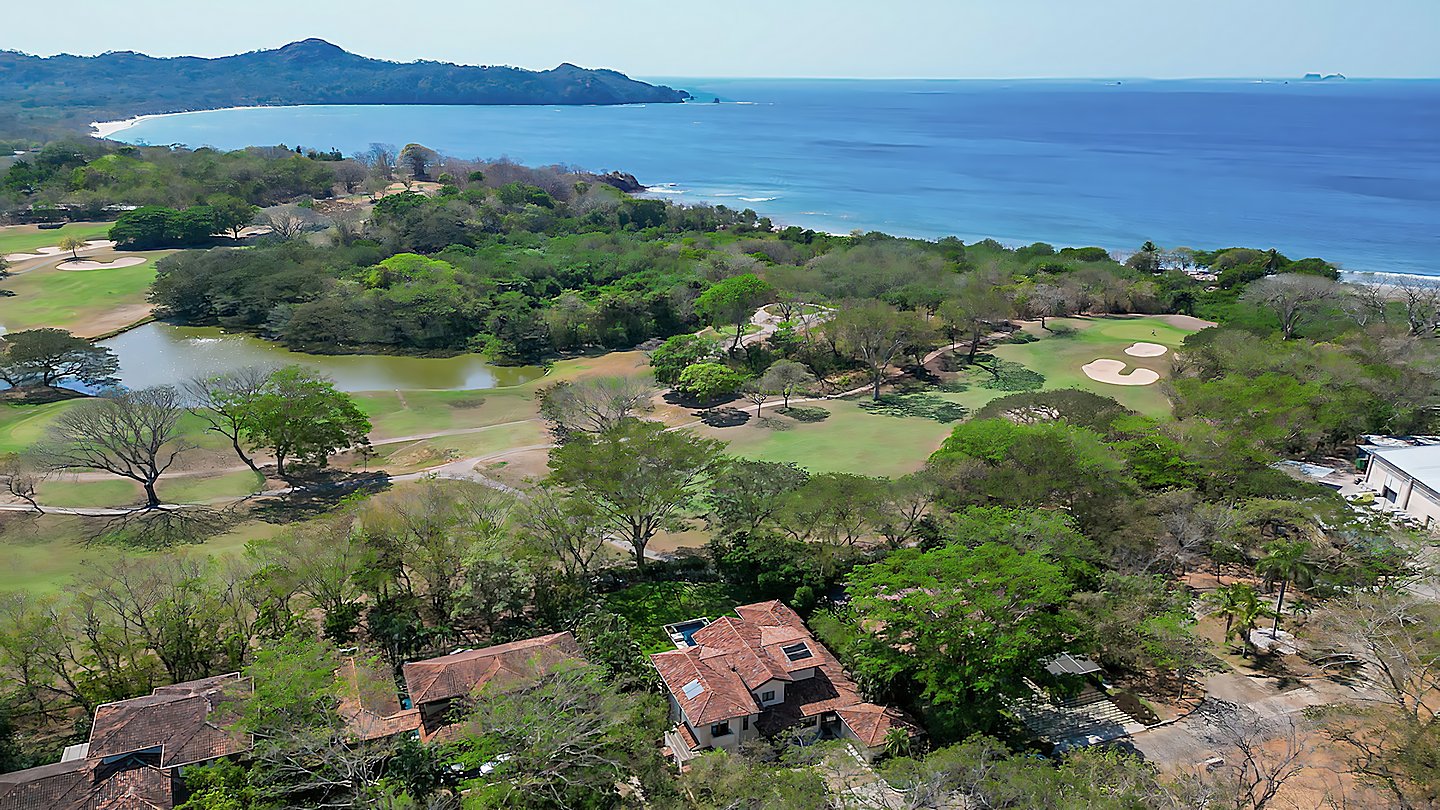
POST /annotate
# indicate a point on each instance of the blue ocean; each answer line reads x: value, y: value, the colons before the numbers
x: 1345, y: 170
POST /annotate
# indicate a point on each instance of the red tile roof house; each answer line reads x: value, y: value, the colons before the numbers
x: 137, y: 750
x: 759, y: 673
x: 439, y: 686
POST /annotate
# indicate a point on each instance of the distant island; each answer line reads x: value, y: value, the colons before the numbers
x: 68, y: 92
x: 1323, y: 77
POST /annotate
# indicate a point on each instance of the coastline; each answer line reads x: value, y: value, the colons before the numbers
x: 1356, y: 266
x: 104, y: 129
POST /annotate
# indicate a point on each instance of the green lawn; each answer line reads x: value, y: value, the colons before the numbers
x: 43, y: 554
x: 849, y: 440
x: 23, y: 425
x: 86, y: 302
x: 411, y: 413
x: 26, y: 238
x: 403, y: 457
x: 1060, y: 358
x: 63, y: 491
x: 895, y: 441
x: 202, y: 489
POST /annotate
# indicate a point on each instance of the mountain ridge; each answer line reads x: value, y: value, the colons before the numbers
x: 121, y: 84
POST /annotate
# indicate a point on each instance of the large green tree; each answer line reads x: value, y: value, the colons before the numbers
x: 709, y: 382
x: 298, y: 414
x: 966, y: 624
x: 787, y: 378
x: 49, y: 357
x: 874, y: 334
x: 638, y: 475
x: 730, y: 302
x: 565, y: 739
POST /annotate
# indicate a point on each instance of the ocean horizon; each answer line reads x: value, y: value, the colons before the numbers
x: 1345, y: 170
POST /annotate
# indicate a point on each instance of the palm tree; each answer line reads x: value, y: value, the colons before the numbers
x: 1287, y: 562
x: 1242, y: 609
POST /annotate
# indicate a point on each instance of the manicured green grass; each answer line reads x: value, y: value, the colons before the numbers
x: 405, y: 457
x: 203, y: 489
x: 1060, y: 358
x: 86, y: 302
x: 26, y: 238
x: 855, y: 441
x: 64, y: 491
x: 24, y: 425
x: 412, y: 413
x: 849, y: 440
x: 43, y: 554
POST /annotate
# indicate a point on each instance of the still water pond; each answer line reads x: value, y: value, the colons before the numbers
x: 164, y: 354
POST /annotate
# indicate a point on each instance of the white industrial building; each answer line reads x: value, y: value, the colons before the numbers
x: 1407, y: 479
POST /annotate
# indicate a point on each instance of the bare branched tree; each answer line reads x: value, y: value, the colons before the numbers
x: 132, y: 434
x: 1291, y: 296
x: 380, y: 158
x: 1260, y: 755
x: 21, y: 478
x: 594, y: 404
x: 289, y: 221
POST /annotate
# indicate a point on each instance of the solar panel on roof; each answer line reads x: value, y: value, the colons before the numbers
x: 692, y: 689
x: 797, y: 652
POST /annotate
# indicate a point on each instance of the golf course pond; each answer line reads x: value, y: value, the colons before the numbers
x: 164, y: 354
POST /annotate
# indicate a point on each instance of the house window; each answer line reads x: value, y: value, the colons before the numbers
x: 766, y: 697
x: 745, y: 724
x: 720, y: 729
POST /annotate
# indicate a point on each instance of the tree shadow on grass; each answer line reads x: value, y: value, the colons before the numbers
x: 771, y: 423
x: 724, y: 417
x: 925, y: 406
x: 802, y: 414
x: 313, y: 498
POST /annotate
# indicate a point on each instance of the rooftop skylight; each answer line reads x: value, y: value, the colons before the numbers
x: 797, y: 652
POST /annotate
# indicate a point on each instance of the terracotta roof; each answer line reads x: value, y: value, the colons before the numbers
x: 743, y: 642
x: 369, y: 704
x: 86, y: 785
x: 704, y: 685
x: 188, y: 722
x: 872, y: 723
x: 768, y: 641
x: 460, y: 674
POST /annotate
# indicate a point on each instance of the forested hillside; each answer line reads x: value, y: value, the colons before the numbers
x: 122, y: 84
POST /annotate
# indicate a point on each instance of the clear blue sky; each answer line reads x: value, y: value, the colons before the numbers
x: 861, y: 38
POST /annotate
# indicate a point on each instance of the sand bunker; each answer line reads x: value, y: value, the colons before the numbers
x: 1110, y: 371
x: 48, y: 252
x: 1145, y: 350
x: 86, y: 264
